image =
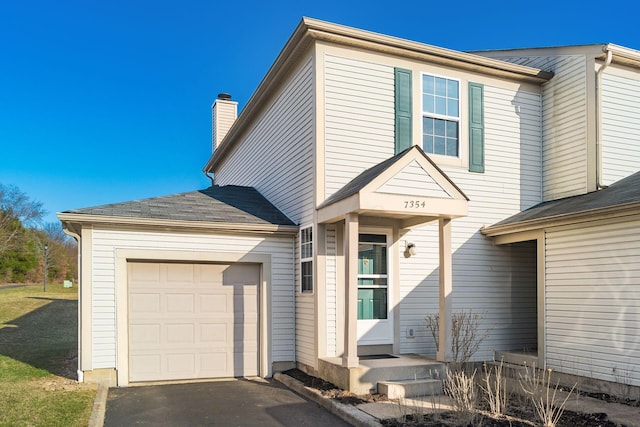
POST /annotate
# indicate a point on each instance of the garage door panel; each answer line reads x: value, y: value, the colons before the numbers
x: 144, y: 303
x: 183, y: 302
x: 145, y: 274
x: 247, y: 333
x: 179, y: 274
x: 180, y: 365
x: 238, y: 274
x: 144, y: 366
x: 214, y: 333
x: 215, y: 303
x: 189, y: 324
x: 145, y: 334
x: 180, y: 333
x: 214, y: 364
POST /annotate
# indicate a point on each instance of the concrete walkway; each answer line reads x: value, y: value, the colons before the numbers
x: 370, y: 414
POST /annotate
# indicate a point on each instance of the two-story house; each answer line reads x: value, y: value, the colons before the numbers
x: 369, y: 182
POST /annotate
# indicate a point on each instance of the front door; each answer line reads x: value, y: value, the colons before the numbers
x: 375, y: 320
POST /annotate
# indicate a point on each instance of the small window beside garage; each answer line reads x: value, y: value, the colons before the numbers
x: 306, y: 259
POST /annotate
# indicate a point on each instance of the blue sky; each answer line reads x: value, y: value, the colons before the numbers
x: 108, y: 101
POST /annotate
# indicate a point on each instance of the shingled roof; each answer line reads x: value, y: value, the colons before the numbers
x: 226, y: 204
x: 621, y: 193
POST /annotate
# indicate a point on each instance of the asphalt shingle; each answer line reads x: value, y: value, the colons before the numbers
x: 226, y: 204
x: 622, y: 192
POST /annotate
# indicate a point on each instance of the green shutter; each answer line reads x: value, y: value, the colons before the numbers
x: 403, y: 123
x: 476, y: 127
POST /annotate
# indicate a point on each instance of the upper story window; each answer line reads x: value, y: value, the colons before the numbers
x: 306, y: 259
x: 440, y: 115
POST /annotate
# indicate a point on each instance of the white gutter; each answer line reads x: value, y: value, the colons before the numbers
x: 599, y: 74
x: 627, y: 209
x: 166, y: 224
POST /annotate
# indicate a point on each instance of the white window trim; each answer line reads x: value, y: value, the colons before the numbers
x: 306, y: 259
x: 463, y: 144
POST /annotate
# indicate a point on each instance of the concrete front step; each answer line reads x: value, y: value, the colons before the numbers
x: 370, y: 372
x: 410, y: 388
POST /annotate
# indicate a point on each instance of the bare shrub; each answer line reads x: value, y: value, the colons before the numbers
x: 495, y: 389
x: 543, y: 395
x: 466, y: 336
x: 461, y: 388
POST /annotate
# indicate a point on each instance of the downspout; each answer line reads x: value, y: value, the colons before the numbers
x: 599, y: 73
x: 208, y: 176
x: 76, y: 236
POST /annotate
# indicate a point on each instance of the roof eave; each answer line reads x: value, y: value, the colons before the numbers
x: 166, y: 224
x: 310, y: 30
x: 564, y: 219
x: 622, y: 55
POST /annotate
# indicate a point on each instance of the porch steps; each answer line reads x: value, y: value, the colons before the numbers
x: 410, y: 388
x: 411, y: 371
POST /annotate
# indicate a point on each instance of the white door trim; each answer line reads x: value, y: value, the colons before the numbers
x: 388, y: 323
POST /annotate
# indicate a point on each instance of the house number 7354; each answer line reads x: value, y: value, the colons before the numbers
x: 414, y: 204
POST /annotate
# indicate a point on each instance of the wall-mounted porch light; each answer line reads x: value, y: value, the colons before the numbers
x: 411, y: 249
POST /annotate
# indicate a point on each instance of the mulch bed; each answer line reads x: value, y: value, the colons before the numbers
x: 520, y: 414
x: 331, y: 391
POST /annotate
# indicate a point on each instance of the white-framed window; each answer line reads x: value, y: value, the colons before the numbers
x: 440, y: 115
x: 306, y: 259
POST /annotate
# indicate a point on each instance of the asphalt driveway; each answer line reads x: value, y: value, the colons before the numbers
x: 257, y: 402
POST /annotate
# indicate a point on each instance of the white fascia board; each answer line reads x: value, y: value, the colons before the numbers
x: 411, y: 206
x: 564, y: 219
x: 223, y: 227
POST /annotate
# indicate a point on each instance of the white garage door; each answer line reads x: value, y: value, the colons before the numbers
x: 190, y: 321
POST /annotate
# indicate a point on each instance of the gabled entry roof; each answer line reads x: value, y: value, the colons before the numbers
x: 619, y: 198
x: 230, y: 206
x: 408, y: 186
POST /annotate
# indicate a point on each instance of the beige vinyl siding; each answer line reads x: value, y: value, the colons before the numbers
x: 106, y: 241
x: 305, y: 329
x: 620, y: 126
x: 564, y: 122
x: 331, y: 290
x: 279, y: 151
x: 593, y: 300
x: 359, y: 118
x: 222, y: 120
x: 276, y: 154
x: 413, y: 181
x: 484, y: 275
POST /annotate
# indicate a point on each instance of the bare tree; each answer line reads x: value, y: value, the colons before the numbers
x: 17, y: 211
x: 55, y: 233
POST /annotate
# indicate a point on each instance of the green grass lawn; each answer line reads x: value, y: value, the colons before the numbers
x: 38, y: 353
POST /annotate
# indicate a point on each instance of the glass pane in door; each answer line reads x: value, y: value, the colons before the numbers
x: 372, y: 277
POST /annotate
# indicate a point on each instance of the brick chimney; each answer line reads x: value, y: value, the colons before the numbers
x: 223, y: 114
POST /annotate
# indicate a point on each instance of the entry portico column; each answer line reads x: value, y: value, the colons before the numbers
x: 446, y: 288
x: 350, y: 239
